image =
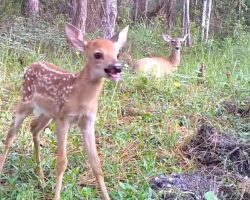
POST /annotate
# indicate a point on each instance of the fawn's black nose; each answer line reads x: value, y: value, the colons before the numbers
x: 115, y: 68
x: 177, y: 48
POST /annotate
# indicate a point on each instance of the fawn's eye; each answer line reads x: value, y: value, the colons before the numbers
x: 98, y: 55
x: 118, y: 56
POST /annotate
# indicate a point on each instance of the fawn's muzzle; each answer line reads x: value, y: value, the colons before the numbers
x: 113, y: 71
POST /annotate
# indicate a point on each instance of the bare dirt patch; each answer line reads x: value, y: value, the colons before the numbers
x: 223, y: 166
x: 242, y: 109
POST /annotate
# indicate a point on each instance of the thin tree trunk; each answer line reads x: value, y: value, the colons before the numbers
x: 170, y: 13
x: 183, y: 16
x: 79, y: 14
x: 186, y: 22
x: 203, y: 20
x: 95, y: 12
x: 208, y: 16
x: 109, y: 20
x: 239, y: 10
x: 145, y: 10
x: 136, y: 7
x: 140, y: 9
x: 31, y: 8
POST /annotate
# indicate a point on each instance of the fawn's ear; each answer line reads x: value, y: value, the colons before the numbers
x: 184, y: 38
x: 75, y: 37
x: 167, y: 38
x: 120, y: 39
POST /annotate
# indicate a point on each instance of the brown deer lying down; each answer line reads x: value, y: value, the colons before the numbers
x: 68, y: 98
x: 160, y: 66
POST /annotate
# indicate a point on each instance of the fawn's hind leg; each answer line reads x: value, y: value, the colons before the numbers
x: 37, y: 125
x: 23, y: 110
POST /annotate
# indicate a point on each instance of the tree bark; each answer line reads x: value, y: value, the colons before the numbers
x: 31, y: 8
x: 239, y: 10
x: 203, y: 20
x: 170, y: 13
x: 208, y: 16
x: 109, y: 19
x: 145, y: 10
x: 136, y: 6
x: 140, y: 9
x: 78, y: 14
x: 186, y: 22
x: 95, y: 12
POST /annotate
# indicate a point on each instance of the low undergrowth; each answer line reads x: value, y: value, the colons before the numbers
x: 140, y: 122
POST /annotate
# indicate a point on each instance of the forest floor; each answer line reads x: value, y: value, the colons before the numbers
x: 146, y: 127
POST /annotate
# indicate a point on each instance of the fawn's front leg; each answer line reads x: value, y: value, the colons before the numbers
x: 86, y: 124
x: 62, y: 128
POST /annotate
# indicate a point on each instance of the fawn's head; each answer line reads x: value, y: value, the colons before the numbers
x: 102, y: 54
x: 175, y: 42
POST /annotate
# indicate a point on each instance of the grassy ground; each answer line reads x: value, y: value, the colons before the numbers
x: 141, y: 120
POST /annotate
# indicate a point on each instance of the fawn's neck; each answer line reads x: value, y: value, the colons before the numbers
x: 88, y: 84
x: 174, y: 58
x: 88, y: 87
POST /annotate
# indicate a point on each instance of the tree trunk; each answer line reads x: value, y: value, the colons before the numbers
x: 145, y: 10
x: 31, y: 8
x: 208, y: 16
x: 203, y: 20
x: 95, y: 12
x: 109, y: 19
x: 136, y: 6
x: 239, y: 8
x: 186, y: 22
x: 78, y: 14
x: 170, y: 13
x: 140, y: 10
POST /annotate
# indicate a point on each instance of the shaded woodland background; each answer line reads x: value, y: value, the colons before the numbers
x: 226, y: 18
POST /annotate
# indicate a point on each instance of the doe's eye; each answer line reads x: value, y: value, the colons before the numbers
x: 98, y: 55
x: 118, y: 56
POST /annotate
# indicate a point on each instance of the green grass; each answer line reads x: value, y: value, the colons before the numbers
x: 140, y: 121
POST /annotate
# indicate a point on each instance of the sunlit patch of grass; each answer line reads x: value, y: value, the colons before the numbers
x: 140, y: 121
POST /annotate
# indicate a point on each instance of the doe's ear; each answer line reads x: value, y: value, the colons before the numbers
x: 120, y: 39
x: 75, y: 37
x: 167, y: 38
x: 184, y: 38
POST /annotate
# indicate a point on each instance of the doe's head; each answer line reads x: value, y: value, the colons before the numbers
x: 102, y: 54
x: 175, y: 42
